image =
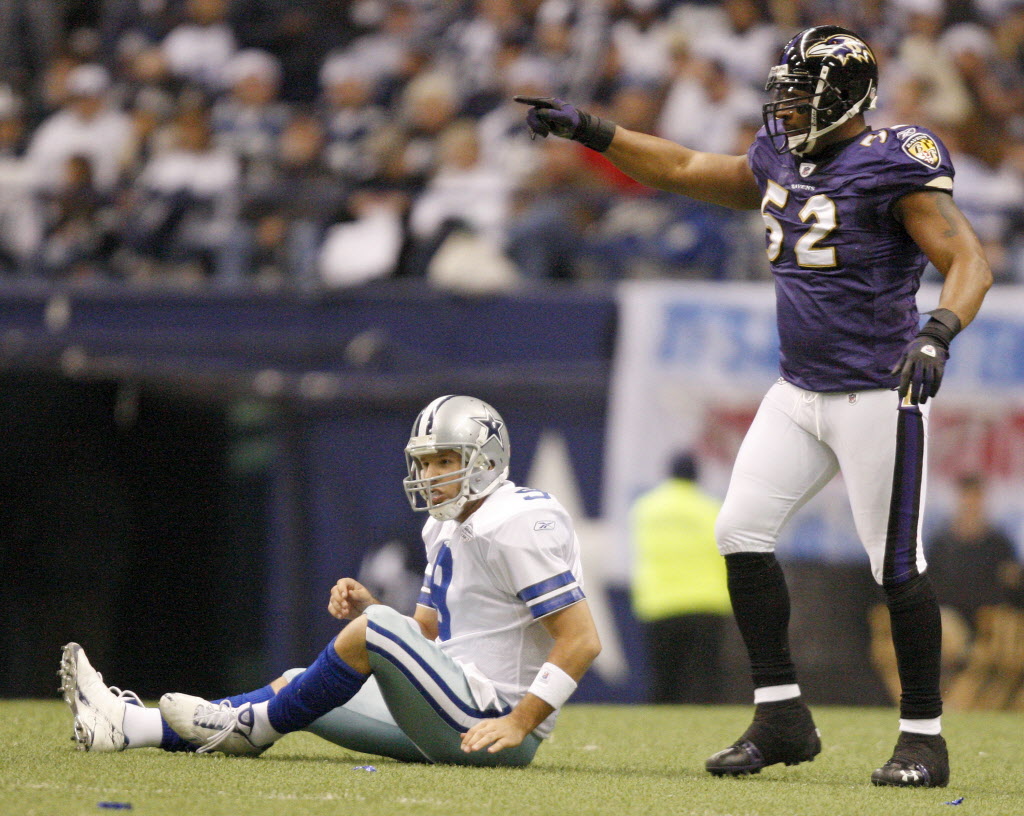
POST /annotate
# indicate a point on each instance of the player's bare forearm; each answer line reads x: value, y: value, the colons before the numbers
x: 577, y: 643
x: 967, y: 281
x: 945, y: 235
x: 660, y: 163
x: 575, y: 647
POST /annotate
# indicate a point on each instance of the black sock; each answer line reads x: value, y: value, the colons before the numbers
x: 917, y: 638
x: 760, y: 602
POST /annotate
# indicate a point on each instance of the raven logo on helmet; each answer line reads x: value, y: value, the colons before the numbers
x: 826, y: 76
x: 843, y: 48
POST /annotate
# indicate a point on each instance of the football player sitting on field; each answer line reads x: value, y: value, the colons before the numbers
x: 501, y: 635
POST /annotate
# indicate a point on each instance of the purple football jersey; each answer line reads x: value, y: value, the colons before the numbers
x: 846, y: 272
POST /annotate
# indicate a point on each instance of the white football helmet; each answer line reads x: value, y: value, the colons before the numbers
x: 474, y: 430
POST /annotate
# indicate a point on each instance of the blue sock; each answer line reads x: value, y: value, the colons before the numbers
x: 258, y: 696
x: 327, y: 684
x: 172, y: 742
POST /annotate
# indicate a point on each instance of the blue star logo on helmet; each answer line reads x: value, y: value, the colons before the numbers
x: 493, y: 426
x: 843, y: 48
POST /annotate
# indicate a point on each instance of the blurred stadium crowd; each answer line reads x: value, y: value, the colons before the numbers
x: 331, y: 142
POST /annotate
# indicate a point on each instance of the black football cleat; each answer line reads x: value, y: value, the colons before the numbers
x: 781, y: 732
x: 918, y: 761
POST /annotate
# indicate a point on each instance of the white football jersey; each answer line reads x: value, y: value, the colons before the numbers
x: 491, y: 579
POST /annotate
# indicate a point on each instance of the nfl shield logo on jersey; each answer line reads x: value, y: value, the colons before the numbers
x: 922, y: 147
x: 806, y: 168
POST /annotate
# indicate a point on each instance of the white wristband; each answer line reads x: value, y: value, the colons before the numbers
x: 552, y: 685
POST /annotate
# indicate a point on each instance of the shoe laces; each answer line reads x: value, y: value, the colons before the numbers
x: 129, y: 697
x: 126, y: 695
x: 221, y: 717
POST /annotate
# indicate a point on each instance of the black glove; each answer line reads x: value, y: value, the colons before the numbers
x: 924, y: 360
x: 549, y: 115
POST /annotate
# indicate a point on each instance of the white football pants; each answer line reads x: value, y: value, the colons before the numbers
x: 799, y: 440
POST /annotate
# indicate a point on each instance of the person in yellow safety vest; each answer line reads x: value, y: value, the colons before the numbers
x: 679, y: 590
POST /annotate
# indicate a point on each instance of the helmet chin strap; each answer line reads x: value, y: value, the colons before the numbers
x: 801, y: 148
x: 810, y: 142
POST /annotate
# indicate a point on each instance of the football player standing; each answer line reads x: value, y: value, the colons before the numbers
x: 501, y: 634
x: 852, y: 217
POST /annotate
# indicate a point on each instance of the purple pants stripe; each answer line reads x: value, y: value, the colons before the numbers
x: 904, y: 510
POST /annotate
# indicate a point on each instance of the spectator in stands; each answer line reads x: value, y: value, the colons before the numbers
x: 20, y: 222
x: 925, y: 60
x: 642, y: 39
x: 85, y: 126
x: 383, y: 47
x: 350, y: 117
x: 285, y: 211
x: 990, y: 191
x: 249, y: 120
x: 552, y: 216
x: 199, y: 49
x: 569, y: 38
x: 472, y: 46
x: 463, y: 192
x: 1009, y: 35
x: 971, y: 561
x: 30, y: 37
x: 299, y: 33
x: 185, y: 202
x: 134, y: 19
x: 704, y: 106
x: 81, y: 226
x: 430, y: 104
x: 367, y: 245
x: 393, y: 76
x: 745, y: 42
x: 504, y: 138
x: 995, y: 90
x: 678, y: 588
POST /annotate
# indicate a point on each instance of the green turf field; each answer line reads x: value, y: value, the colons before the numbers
x: 602, y: 760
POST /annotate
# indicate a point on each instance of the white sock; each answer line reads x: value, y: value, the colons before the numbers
x: 775, y: 694
x: 930, y: 727
x: 142, y: 727
x: 263, y: 732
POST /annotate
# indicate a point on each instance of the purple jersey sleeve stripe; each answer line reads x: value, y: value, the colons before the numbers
x: 546, y: 586
x: 546, y: 607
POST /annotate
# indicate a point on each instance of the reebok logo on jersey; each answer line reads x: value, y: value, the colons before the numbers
x: 922, y: 148
x: 544, y: 525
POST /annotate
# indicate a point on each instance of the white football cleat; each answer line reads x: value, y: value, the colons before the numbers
x: 212, y: 726
x: 98, y: 709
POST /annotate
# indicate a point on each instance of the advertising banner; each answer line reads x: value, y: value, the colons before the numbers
x: 694, y: 359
